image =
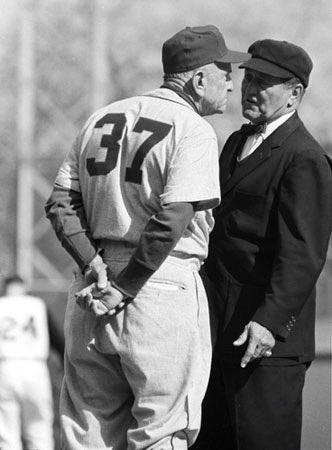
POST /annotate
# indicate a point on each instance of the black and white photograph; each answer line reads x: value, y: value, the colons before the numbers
x: 166, y: 219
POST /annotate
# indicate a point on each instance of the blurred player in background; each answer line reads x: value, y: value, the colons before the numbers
x: 26, y: 406
x: 135, y: 194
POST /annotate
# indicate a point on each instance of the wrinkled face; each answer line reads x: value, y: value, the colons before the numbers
x: 219, y: 83
x: 264, y: 97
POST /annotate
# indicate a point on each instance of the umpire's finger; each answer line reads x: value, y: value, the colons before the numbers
x: 249, y: 354
x: 242, y: 338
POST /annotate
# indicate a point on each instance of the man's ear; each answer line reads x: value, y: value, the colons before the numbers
x: 199, y: 82
x: 296, y: 94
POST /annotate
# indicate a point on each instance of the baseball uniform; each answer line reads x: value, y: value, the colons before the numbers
x: 26, y: 409
x: 136, y: 380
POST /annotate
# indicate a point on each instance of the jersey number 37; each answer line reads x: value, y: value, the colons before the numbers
x: 111, y: 142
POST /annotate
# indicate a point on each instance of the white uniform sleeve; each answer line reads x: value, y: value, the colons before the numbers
x: 193, y: 174
x: 68, y: 174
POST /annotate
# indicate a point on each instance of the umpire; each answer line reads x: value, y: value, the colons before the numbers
x: 267, y: 250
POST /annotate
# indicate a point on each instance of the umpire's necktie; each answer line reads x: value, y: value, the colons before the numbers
x: 250, y: 143
x: 249, y: 129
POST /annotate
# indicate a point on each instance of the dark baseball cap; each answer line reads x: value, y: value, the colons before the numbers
x: 194, y: 47
x: 280, y: 59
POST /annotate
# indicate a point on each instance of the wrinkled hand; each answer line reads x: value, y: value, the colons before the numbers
x: 260, y: 342
x: 100, y: 302
x: 111, y: 298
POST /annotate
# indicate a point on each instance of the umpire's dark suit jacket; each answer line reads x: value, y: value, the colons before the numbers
x: 270, y: 239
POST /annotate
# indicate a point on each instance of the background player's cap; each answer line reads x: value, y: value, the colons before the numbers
x: 194, y: 47
x: 280, y: 59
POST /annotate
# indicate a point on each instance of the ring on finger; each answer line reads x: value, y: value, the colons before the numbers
x: 268, y: 353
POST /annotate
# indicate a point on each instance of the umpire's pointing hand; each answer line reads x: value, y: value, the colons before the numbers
x: 260, y: 342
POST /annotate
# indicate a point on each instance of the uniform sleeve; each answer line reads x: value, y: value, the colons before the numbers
x: 65, y: 209
x: 193, y: 174
x: 68, y: 174
x: 304, y: 223
x: 159, y: 237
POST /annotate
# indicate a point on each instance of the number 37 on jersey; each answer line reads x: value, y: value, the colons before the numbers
x: 111, y: 142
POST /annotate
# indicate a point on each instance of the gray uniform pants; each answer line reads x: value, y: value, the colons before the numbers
x: 136, y: 380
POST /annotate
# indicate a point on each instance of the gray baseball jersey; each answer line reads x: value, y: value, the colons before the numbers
x: 140, y: 153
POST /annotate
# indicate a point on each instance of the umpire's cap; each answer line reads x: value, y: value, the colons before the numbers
x: 194, y: 47
x: 280, y: 59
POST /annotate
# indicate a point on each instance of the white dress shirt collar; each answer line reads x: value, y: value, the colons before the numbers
x: 255, y: 140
